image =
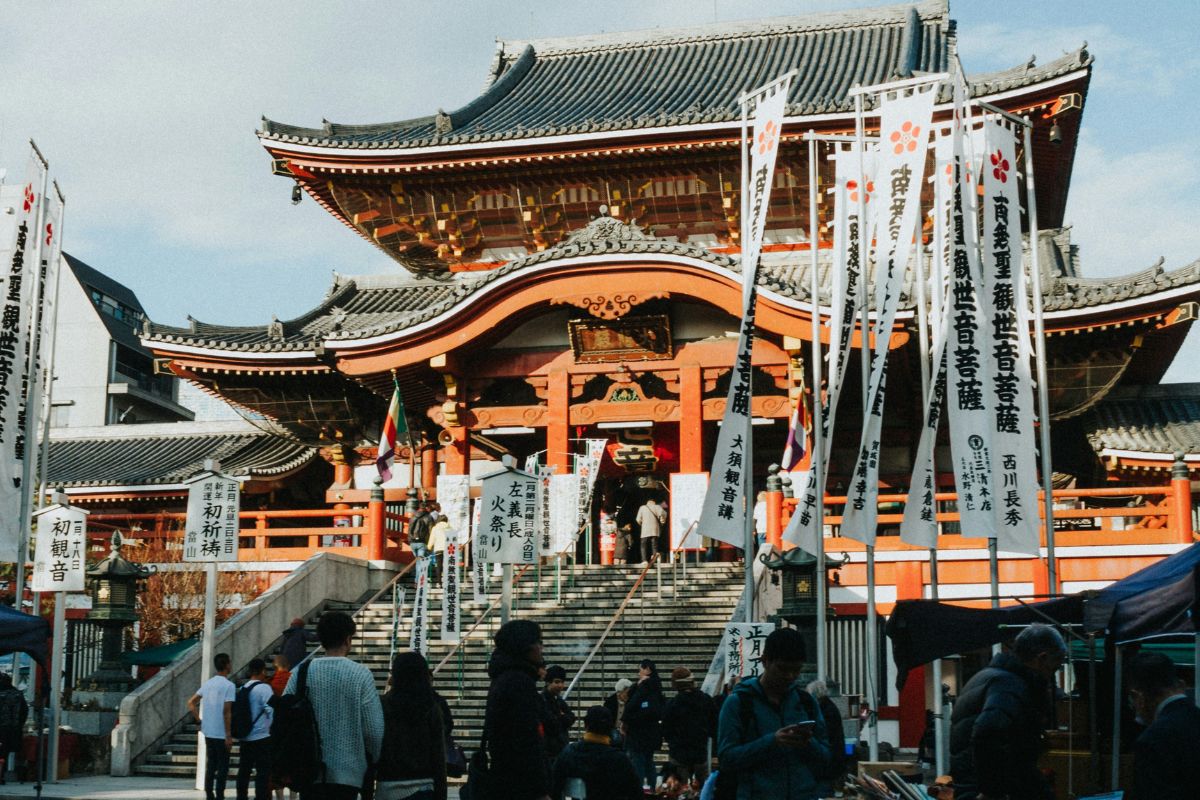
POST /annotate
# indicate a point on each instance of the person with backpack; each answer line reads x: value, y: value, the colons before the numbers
x: 212, y: 706
x: 418, y: 530
x: 606, y: 772
x: 345, y: 712
x: 250, y: 723
x: 13, y: 713
x: 412, y: 764
x: 511, y: 762
x: 643, y: 722
x: 689, y: 721
x: 771, y: 740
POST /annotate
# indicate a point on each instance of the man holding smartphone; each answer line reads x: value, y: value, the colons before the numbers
x: 772, y: 737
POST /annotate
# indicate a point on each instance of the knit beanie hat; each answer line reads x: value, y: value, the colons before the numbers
x: 681, y: 678
x: 516, y: 637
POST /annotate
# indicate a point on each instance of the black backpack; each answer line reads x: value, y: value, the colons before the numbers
x: 296, y: 760
x: 727, y: 780
x: 240, y: 721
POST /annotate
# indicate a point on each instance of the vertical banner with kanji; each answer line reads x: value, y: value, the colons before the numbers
x: 478, y: 561
x: 726, y: 503
x: 565, y: 497
x: 418, y: 640
x: 211, y: 531
x: 904, y: 124
x: 58, y: 565
x: 508, y: 518
x: 545, y: 535
x: 744, y: 643
x: 687, y: 497
x: 1014, y: 464
x: 850, y: 190
x: 450, y: 598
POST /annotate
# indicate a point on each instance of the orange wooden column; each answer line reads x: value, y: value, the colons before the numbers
x: 558, y: 431
x: 457, y: 452
x: 375, y: 523
x: 428, y: 467
x: 691, y: 419
x: 1181, y: 497
x: 910, y: 585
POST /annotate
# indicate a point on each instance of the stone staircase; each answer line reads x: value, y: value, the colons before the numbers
x: 679, y: 626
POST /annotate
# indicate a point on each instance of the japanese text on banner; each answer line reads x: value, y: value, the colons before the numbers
x: 508, y: 518
x: 418, y: 640
x: 744, y: 643
x: 58, y: 565
x: 211, y: 532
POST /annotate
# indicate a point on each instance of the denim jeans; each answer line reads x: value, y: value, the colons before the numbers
x: 643, y: 765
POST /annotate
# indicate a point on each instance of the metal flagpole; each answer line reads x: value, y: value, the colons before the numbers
x: 817, y: 456
x: 1039, y: 335
x: 48, y: 404
x: 748, y: 459
x: 864, y: 243
x: 923, y: 314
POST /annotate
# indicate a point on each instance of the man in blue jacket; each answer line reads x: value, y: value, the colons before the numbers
x: 772, y: 736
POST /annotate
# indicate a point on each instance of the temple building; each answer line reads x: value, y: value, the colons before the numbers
x: 566, y: 247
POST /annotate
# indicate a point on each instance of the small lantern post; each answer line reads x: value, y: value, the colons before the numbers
x: 113, y: 585
x: 798, y: 571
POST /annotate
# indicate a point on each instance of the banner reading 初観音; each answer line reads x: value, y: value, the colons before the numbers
x: 854, y: 188
x: 968, y: 402
x: 905, y: 118
x: 1014, y: 464
x: 726, y: 503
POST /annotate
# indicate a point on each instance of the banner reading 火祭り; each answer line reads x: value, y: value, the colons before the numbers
x: 509, y: 516
x: 1014, y: 464
x: 968, y: 405
x: 418, y: 640
x: 904, y: 122
x: 726, y: 503
x: 58, y: 565
x: 854, y: 187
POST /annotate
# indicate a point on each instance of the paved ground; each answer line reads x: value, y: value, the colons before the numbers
x: 106, y: 788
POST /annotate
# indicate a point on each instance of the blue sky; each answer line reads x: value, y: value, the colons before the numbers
x: 147, y: 112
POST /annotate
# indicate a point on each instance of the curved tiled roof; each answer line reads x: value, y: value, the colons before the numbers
x: 1155, y: 419
x: 167, y: 454
x: 366, y: 306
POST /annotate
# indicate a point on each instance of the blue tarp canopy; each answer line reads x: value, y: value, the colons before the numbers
x: 1156, y: 602
x: 24, y: 633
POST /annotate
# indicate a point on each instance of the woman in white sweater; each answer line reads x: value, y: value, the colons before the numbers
x: 347, y: 708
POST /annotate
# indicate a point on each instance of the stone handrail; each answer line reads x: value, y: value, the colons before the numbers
x: 153, y: 710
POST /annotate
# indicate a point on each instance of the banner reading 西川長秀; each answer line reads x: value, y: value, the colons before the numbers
x: 1014, y: 461
x: 900, y: 171
x: 726, y: 504
x: 846, y: 284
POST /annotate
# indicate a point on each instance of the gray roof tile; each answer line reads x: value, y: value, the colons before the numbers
x: 1161, y: 419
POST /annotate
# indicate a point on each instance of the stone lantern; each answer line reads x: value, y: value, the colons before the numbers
x: 797, y: 569
x: 113, y: 585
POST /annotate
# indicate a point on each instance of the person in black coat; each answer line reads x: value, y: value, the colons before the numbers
x: 998, y: 722
x: 295, y: 643
x: 512, y: 721
x: 643, y: 721
x: 414, y: 749
x: 689, y: 721
x: 558, y: 715
x: 606, y: 772
x: 1166, y: 757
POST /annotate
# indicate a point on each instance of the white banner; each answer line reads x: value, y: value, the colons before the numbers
x: 418, y: 642
x: 588, y: 468
x: 968, y: 404
x: 506, y: 535
x: 1014, y: 461
x: 687, y: 497
x: 450, y: 599
x: 904, y: 122
x: 919, y: 526
x: 565, y: 494
x: 478, y: 562
x: 61, y: 548
x: 726, y: 503
x: 211, y: 531
x: 544, y: 535
x: 847, y: 281
x: 744, y: 643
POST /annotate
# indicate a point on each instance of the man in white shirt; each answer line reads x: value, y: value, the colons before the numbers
x: 650, y: 518
x: 212, y: 705
x: 255, y: 747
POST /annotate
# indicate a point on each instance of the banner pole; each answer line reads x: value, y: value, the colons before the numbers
x: 1039, y: 335
x: 506, y: 593
x: 747, y: 290
x: 52, y: 329
x: 864, y: 242
x: 816, y: 458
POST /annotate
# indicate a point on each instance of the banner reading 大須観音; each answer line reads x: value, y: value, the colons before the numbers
x: 905, y: 124
x: 726, y: 503
x: 1014, y: 460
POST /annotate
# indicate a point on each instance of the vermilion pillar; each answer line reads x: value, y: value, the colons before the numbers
x: 1181, y: 494
x: 691, y: 419
x: 910, y: 585
x: 558, y: 402
x: 428, y: 467
x: 457, y: 452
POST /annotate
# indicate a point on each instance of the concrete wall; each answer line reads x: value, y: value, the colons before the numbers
x: 81, y: 358
x: 154, y: 709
